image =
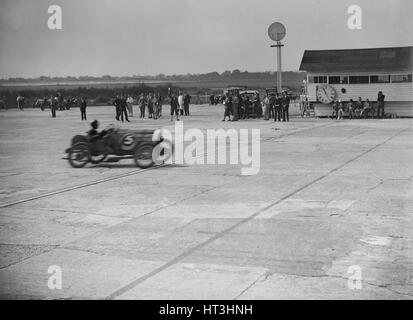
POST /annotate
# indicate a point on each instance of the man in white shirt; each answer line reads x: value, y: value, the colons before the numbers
x: 129, y: 102
x: 181, y: 103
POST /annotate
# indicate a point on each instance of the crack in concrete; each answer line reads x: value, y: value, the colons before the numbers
x: 81, y: 250
x: 269, y: 274
x: 382, y: 181
x: 266, y: 275
x: 182, y: 200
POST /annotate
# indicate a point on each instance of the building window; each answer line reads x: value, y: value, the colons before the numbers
x: 338, y: 80
x: 380, y: 79
x: 318, y: 79
x: 401, y: 78
x: 359, y: 79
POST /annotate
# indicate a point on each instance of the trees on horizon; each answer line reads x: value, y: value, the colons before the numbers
x: 213, y: 76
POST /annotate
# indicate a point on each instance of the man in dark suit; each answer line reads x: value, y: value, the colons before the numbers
x: 380, y: 105
x: 117, y: 104
x: 83, y: 106
x: 278, y: 107
x: 187, y: 99
x: 123, y: 108
x: 286, y: 106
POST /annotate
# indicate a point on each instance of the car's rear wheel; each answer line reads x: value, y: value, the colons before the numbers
x: 143, y: 156
x: 78, y: 156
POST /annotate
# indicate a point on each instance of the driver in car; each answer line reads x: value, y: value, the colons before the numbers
x: 96, y: 137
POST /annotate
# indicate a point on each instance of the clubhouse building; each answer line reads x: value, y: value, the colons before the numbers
x: 353, y: 73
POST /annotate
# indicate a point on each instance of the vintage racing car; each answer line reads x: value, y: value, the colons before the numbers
x: 120, y: 144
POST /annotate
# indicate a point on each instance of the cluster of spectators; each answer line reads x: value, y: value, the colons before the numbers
x: 358, y: 109
x: 276, y: 106
x: 149, y: 104
x: 152, y: 103
x: 179, y: 104
x: 239, y: 107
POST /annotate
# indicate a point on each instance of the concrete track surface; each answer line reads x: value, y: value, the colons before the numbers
x: 332, y: 200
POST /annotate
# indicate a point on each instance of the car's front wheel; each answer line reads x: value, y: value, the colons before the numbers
x: 78, y: 155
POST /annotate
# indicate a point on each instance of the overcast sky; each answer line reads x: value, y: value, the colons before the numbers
x: 127, y: 37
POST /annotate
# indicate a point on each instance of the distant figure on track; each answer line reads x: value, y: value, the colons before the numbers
x: 187, y: 100
x: 20, y: 102
x: 150, y: 105
x: 380, y: 104
x: 142, y: 105
x: 174, y: 107
x: 228, y: 107
x: 181, y: 103
x: 278, y: 108
x: 117, y: 103
x: 83, y: 106
x: 123, y: 108
x: 286, y: 106
x: 129, y: 101
x: 159, y: 99
x: 267, y: 105
x: 54, y: 105
x: 155, y: 106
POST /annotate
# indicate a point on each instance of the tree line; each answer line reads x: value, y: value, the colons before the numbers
x: 226, y: 75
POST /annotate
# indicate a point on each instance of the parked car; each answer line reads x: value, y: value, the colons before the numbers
x: 255, y: 110
x: 232, y: 91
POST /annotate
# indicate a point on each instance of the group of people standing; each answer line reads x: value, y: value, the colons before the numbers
x: 152, y: 102
x: 238, y: 107
x: 277, y: 106
x: 151, y: 105
x: 179, y: 104
x: 58, y: 102
x: 121, y: 106
x: 359, y: 108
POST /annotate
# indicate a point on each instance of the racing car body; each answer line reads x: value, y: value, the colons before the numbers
x: 121, y: 143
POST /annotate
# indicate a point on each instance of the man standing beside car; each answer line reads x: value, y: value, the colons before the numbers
x: 236, y: 102
x: 286, y: 106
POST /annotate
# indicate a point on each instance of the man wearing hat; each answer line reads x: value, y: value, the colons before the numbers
x: 286, y: 106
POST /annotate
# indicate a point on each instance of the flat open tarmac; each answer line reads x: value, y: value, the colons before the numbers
x: 333, y: 201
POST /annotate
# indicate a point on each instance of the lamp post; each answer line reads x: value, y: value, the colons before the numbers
x: 277, y: 32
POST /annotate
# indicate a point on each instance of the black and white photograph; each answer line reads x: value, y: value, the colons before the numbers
x: 233, y: 151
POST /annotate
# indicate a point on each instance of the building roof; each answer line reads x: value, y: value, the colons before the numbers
x: 358, y: 60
